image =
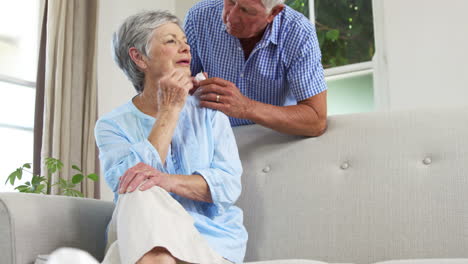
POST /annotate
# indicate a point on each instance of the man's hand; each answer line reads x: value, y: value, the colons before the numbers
x: 140, y: 173
x: 222, y: 95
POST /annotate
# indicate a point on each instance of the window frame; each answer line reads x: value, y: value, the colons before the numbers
x: 20, y: 82
x: 339, y: 72
x: 17, y: 81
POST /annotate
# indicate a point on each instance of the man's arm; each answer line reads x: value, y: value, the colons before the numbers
x: 307, y: 118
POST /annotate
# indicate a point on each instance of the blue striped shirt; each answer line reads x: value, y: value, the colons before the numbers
x: 283, y: 68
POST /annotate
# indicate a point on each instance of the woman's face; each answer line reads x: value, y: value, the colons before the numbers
x: 168, y: 51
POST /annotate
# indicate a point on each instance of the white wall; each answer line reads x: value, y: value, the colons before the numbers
x: 182, y: 6
x: 113, y: 87
x: 421, y: 53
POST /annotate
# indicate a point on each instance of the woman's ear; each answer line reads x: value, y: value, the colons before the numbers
x: 137, y: 58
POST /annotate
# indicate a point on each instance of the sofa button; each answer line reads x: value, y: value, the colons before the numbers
x: 345, y: 165
x: 266, y: 169
x: 427, y: 160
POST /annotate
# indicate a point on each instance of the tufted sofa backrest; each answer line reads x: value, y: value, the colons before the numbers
x: 375, y: 186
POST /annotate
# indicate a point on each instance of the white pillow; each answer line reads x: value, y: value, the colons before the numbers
x: 70, y: 256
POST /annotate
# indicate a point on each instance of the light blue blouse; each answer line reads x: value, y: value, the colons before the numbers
x: 204, y: 144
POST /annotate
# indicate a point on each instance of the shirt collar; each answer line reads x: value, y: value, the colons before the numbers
x: 272, y: 31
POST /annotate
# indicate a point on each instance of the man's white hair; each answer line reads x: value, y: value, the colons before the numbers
x: 269, y: 4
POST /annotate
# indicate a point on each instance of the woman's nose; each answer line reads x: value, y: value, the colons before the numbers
x: 184, y: 47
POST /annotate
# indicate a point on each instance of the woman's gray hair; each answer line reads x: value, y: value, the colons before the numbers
x: 137, y: 31
x: 269, y: 4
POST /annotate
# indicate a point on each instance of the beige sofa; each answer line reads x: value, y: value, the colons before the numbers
x: 374, y: 187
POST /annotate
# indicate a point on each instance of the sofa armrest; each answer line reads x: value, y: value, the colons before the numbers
x: 33, y: 224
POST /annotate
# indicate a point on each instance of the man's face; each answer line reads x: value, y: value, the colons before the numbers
x: 245, y: 18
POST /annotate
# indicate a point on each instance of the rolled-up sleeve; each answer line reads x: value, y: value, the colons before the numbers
x: 117, y: 152
x: 305, y: 73
x: 224, y: 175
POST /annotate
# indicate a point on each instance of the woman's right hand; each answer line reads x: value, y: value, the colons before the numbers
x: 173, y: 90
x: 144, y: 175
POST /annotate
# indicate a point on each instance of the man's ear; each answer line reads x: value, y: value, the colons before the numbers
x: 137, y: 58
x: 275, y: 11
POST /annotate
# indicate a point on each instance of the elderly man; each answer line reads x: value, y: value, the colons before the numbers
x: 266, y: 64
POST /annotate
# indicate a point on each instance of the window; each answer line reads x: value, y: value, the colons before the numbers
x: 344, y: 30
x: 19, y: 28
x: 346, y: 36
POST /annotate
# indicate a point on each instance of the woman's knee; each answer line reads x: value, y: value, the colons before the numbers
x: 155, y: 191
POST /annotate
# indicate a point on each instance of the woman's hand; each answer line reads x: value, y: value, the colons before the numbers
x: 140, y: 173
x: 173, y: 90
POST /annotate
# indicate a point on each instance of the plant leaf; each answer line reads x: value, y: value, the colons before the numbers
x: 72, y: 192
x: 27, y: 165
x: 77, y: 178
x: 39, y: 188
x: 11, y: 178
x: 20, y: 173
x: 36, y: 180
x: 22, y: 188
x: 77, y: 168
x: 42, y: 178
x: 53, y: 165
x: 333, y: 34
x: 93, y: 176
x: 62, y: 183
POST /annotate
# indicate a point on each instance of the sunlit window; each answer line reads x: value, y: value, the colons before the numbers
x: 19, y: 28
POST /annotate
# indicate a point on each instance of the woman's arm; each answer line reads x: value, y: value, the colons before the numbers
x: 223, y: 176
x: 218, y: 184
x: 171, y: 96
x: 163, y: 130
x: 193, y: 187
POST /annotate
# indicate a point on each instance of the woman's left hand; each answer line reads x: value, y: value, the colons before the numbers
x: 140, y: 173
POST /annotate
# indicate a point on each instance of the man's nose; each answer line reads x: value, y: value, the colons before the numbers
x: 234, y: 14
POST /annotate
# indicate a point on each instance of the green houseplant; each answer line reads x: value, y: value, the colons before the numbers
x: 43, y: 184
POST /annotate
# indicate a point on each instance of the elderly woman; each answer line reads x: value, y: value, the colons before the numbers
x: 173, y: 166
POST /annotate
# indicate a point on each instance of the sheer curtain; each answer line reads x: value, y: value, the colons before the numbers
x: 67, y: 68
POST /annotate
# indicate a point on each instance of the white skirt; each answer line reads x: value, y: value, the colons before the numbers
x: 144, y: 220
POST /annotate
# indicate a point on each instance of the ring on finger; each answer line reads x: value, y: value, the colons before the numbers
x: 217, y: 98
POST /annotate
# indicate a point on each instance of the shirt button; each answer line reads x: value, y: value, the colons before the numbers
x: 427, y: 161
x: 239, y: 48
x: 242, y: 75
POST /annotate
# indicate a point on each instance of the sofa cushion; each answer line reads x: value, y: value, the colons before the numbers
x: 426, y: 261
x: 375, y: 186
x: 292, y: 261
